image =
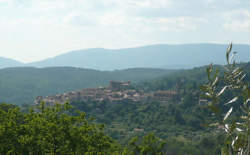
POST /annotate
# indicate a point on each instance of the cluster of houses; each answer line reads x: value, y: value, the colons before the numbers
x: 115, y: 92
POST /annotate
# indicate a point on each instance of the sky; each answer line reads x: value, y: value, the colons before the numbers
x: 32, y: 30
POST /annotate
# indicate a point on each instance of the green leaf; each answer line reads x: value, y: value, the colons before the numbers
x: 204, y: 88
x: 209, y: 70
x: 232, y: 57
x: 215, y: 81
x: 232, y: 100
x: 228, y: 113
x: 222, y: 90
x: 229, y: 49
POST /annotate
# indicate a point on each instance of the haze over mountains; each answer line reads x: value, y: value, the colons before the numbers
x: 5, y: 62
x: 153, y: 56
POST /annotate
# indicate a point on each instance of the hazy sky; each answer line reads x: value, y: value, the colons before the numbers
x: 32, y: 30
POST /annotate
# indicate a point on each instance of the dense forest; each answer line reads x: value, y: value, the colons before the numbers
x: 22, y: 84
x: 178, y: 126
x: 182, y: 120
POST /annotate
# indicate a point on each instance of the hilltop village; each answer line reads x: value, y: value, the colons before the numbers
x: 116, y: 92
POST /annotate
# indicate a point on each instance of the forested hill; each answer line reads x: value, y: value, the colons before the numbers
x: 189, y: 78
x: 180, y: 119
x: 21, y: 85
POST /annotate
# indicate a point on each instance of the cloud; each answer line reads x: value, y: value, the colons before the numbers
x: 80, y: 19
x: 237, y: 20
x: 150, y: 3
x: 133, y: 15
x: 44, y: 26
x: 238, y: 26
x: 133, y: 24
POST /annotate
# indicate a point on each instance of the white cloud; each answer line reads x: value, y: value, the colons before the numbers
x: 121, y: 20
x: 151, y: 3
x: 179, y: 23
x: 236, y: 14
x: 45, y: 5
x: 237, y: 20
x: 45, y: 26
x: 238, y: 26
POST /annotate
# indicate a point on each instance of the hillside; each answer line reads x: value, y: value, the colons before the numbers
x: 153, y: 56
x: 179, y: 56
x: 162, y: 105
x: 21, y: 85
x: 181, y: 119
x: 5, y: 62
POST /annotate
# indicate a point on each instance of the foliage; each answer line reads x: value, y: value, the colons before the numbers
x: 148, y: 145
x: 21, y: 85
x: 165, y: 119
x: 50, y: 130
x: 53, y: 130
x: 178, y: 124
x: 237, y: 128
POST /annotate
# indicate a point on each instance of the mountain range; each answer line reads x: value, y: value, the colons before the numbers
x: 5, y: 63
x: 180, y: 56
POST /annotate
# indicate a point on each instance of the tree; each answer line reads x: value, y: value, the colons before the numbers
x: 237, y: 128
x: 51, y: 130
x: 148, y: 145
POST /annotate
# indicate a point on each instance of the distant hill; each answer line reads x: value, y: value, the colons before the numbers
x: 153, y: 56
x: 180, y: 56
x: 21, y: 85
x: 5, y: 62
